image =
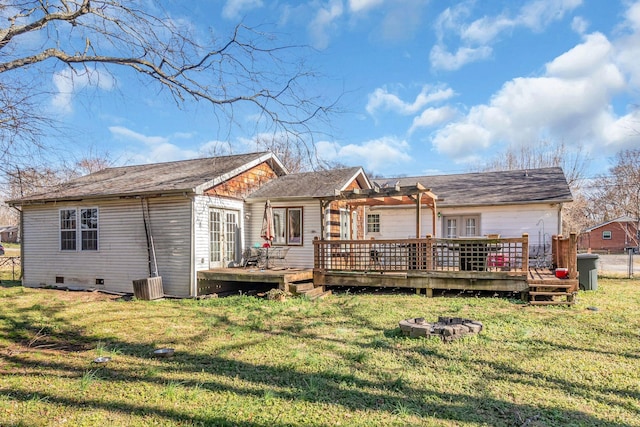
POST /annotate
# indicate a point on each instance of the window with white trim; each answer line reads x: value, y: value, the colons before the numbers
x: 461, y: 226
x: 287, y: 224
x: 606, y: 235
x: 79, y: 229
x: 373, y: 223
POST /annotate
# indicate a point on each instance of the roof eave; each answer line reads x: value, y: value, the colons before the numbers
x: 200, y: 189
x: 444, y: 204
x: 23, y: 202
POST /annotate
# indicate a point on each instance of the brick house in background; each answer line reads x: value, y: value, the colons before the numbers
x: 614, y: 236
x: 9, y: 234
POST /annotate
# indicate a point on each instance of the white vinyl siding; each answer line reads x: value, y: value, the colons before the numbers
x: 508, y: 221
x: 122, y: 255
x: 299, y: 256
x: 400, y: 223
x: 373, y: 223
x: 461, y: 226
x: 203, y: 205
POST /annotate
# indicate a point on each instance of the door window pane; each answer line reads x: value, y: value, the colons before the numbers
x: 295, y: 226
x: 215, y: 227
x: 279, y: 223
x: 68, y: 230
x: 89, y: 229
x: 452, y: 229
x: 470, y: 227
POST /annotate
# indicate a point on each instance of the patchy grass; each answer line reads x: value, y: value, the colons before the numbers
x: 9, y: 265
x: 243, y: 361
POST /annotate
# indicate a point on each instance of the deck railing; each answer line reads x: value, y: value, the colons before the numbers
x: 428, y: 254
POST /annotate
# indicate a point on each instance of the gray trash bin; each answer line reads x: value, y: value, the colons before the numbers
x: 588, y: 271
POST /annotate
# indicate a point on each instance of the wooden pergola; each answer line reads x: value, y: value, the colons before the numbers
x: 417, y: 195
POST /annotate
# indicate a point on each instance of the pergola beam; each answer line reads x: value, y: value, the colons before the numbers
x: 396, y: 195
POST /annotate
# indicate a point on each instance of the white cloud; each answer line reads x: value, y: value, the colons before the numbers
x: 628, y: 46
x: 486, y: 29
x: 475, y: 37
x: 154, y: 148
x: 582, y: 59
x: 633, y: 17
x: 363, y: 5
x: 579, y: 25
x: 68, y: 83
x: 378, y: 155
x: 234, y: 9
x: 570, y: 102
x: 441, y: 59
x: 432, y: 117
x: 539, y: 14
x: 323, y: 25
x: 381, y: 99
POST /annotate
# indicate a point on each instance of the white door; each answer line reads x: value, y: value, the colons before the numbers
x: 345, y: 225
x: 223, y: 242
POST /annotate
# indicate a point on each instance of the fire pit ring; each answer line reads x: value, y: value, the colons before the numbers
x: 446, y: 328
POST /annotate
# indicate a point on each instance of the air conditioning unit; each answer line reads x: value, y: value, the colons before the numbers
x: 148, y: 289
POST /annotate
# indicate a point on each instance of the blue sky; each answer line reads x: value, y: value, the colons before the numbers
x: 426, y: 87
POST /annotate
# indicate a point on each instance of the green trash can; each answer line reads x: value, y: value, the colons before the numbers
x: 588, y: 271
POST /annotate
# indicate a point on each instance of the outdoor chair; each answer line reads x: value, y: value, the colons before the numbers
x: 278, y: 257
x: 251, y: 256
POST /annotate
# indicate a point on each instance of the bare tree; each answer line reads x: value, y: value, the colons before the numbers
x: 31, y: 180
x: 294, y: 157
x: 618, y: 193
x: 542, y: 155
x: 88, y: 38
x: 550, y: 154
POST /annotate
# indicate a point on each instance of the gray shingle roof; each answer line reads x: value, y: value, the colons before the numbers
x: 621, y: 219
x: 169, y: 177
x: 306, y: 184
x: 545, y: 185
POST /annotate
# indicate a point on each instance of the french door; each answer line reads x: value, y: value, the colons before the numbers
x: 223, y: 237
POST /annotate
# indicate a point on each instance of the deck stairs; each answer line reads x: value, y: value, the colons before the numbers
x: 308, y: 290
x: 546, y: 289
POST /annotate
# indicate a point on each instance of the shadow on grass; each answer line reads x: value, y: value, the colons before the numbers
x: 7, y: 283
x: 325, y: 387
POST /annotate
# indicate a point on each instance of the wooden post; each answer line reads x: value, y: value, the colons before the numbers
x: 525, y: 253
x: 434, y: 219
x: 323, y: 207
x: 318, y: 254
x: 572, y: 256
x: 418, y: 214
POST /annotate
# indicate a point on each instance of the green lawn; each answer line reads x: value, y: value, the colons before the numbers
x: 244, y: 361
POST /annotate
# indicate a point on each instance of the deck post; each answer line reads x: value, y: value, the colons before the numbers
x: 572, y: 261
x: 418, y: 214
x: 318, y: 252
x: 525, y: 252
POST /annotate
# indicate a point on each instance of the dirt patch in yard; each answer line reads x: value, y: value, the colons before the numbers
x: 69, y: 295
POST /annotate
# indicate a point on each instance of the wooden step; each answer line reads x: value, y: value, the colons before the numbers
x: 559, y: 294
x: 556, y: 283
x: 313, y: 293
x: 299, y: 288
x: 533, y: 302
x: 321, y: 296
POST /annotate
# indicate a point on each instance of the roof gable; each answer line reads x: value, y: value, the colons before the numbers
x: 545, y: 185
x: 622, y: 219
x: 311, y: 184
x: 186, y: 176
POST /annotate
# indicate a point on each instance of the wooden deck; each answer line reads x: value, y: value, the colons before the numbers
x: 546, y: 289
x: 226, y: 279
x: 474, y: 264
x: 498, y: 265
